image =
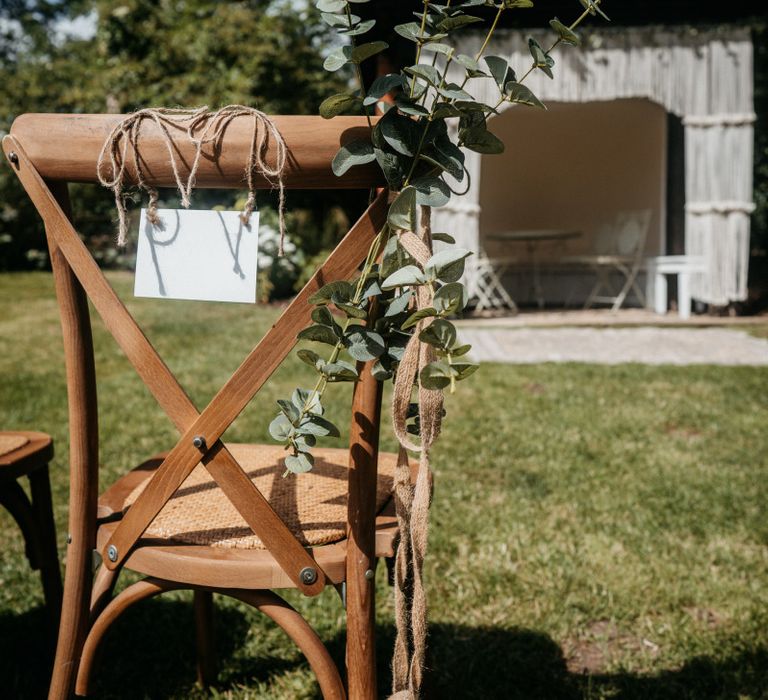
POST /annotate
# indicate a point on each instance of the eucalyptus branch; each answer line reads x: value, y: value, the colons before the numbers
x: 416, y: 151
x: 559, y: 39
x: 358, y: 70
x: 419, y: 44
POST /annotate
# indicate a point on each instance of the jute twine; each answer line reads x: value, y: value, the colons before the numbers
x: 203, y: 128
x: 412, y: 502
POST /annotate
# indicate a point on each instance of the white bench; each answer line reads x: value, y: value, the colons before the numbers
x: 681, y: 265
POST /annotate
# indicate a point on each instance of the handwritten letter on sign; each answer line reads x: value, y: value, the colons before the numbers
x: 197, y: 254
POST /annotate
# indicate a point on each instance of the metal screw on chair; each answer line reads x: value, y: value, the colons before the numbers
x: 13, y: 157
x: 112, y: 552
x: 198, y: 441
x: 369, y: 574
x: 308, y: 575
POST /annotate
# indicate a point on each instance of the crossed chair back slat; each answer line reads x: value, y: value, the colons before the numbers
x: 77, y: 276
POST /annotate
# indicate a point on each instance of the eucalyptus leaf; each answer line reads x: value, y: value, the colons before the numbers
x: 480, y: 140
x: 383, y: 85
x: 339, y: 371
x: 338, y: 21
x: 341, y: 289
x: 364, y: 345
x: 399, y: 304
x: 318, y: 334
x: 392, y: 166
x: 317, y: 425
x: 443, y: 238
x: 471, y: 65
x: 431, y: 191
x: 408, y: 106
x: 363, y: 51
x: 440, y: 334
x: 299, y: 463
x: 519, y: 93
x: 307, y: 400
x: 402, y: 212
x: 410, y: 31
x: 447, y: 265
x: 541, y: 59
x: 337, y: 104
x: 323, y: 316
x: 400, y: 133
x: 358, y: 152
x: 425, y: 72
x: 593, y: 8
x: 566, y: 34
x: 459, y: 350
x: 310, y: 357
x: 450, y: 298
x: 359, y: 29
x: 290, y: 411
x: 498, y: 67
x: 461, y: 370
x: 408, y: 276
x: 281, y: 428
x: 454, y: 92
x: 380, y: 372
x: 337, y: 58
x: 436, y: 375
x: 437, y: 47
x: 419, y: 315
x: 351, y: 311
x: 331, y: 5
x: 518, y: 4
x: 442, y: 110
x: 450, y: 24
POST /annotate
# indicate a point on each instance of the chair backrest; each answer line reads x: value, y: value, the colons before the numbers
x: 49, y: 150
x: 631, y: 230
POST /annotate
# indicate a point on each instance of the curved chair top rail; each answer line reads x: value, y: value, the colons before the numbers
x: 67, y: 146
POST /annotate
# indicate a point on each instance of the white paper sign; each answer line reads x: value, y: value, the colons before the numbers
x: 197, y: 254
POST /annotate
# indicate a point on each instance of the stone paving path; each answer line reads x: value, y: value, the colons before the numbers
x: 646, y: 345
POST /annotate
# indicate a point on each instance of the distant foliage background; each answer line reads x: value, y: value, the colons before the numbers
x: 147, y: 53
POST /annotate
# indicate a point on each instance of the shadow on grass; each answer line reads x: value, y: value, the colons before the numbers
x: 150, y: 654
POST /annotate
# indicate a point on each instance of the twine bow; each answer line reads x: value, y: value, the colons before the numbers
x: 122, y: 146
x: 412, y: 502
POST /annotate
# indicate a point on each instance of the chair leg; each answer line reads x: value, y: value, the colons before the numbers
x: 630, y: 275
x: 75, y: 613
x: 48, y: 556
x: 595, y: 290
x: 15, y: 501
x: 206, y: 640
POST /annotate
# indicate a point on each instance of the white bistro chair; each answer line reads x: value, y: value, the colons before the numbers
x: 619, y: 249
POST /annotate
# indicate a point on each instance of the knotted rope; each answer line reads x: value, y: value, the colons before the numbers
x: 412, y: 502
x: 122, y: 147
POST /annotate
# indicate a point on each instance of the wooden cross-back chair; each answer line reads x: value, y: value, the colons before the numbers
x: 48, y: 151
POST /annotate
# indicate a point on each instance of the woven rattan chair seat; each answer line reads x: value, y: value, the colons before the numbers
x: 312, y: 505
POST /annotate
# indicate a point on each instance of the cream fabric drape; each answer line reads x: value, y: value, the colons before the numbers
x: 705, y: 77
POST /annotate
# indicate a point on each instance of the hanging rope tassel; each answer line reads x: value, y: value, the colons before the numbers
x: 114, y: 156
x: 412, y: 502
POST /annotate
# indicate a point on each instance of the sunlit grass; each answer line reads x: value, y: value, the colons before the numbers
x: 596, y: 531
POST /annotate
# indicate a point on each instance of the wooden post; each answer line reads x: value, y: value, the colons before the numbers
x: 361, y: 551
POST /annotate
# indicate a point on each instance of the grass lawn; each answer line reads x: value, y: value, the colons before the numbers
x: 597, y: 532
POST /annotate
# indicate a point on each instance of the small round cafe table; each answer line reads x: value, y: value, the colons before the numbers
x: 532, y: 238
